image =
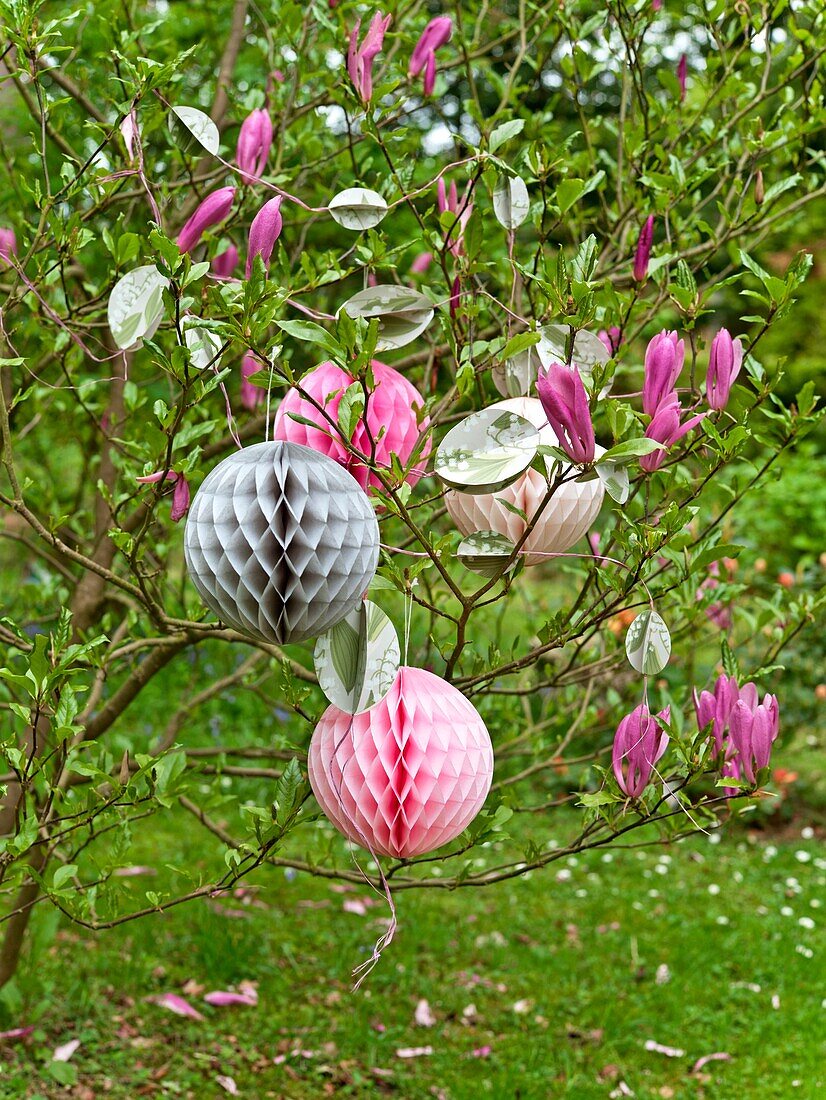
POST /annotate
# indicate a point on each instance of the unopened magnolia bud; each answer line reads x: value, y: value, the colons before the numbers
x: 759, y: 189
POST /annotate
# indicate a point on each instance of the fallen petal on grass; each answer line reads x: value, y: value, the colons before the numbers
x: 669, y: 1052
x: 718, y: 1056
x: 16, y: 1033
x: 64, y: 1052
x: 423, y: 1015
x: 222, y: 997
x: 176, y: 1004
x: 413, y: 1052
x: 228, y: 1084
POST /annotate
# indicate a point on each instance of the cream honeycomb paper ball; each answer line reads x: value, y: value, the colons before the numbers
x: 281, y: 542
x: 572, y: 510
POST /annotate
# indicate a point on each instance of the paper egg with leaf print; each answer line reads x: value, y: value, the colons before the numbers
x: 409, y: 774
x: 508, y: 511
x: 390, y: 425
x: 281, y: 542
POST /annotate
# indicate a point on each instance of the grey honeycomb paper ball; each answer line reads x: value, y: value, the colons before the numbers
x: 281, y: 542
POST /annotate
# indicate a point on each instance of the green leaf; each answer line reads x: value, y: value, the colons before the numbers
x: 310, y: 333
x: 63, y: 874
x: 504, y: 133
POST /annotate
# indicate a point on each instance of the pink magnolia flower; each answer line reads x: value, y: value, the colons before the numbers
x: 753, y: 731
x: 254, y: 142
x: 421, y: 263
x: 360, y: 58
x: 724, y: 362
x: 666, y: 428
x: 719, y: 613
x: 251, y: 395
x: 180, y: 494
x: 611, y: 339
x: 225, y: 263
x: 638, y: 745
x: 448, y: 199
x: 682, y: 69
x: 643, y: 253
x: 664, y: 359
x: 437, y: 33
x: 565, y: 402
x: 742, y: 727
x: 8, y: 244
x: 213, y: 210
x: 264, y: 232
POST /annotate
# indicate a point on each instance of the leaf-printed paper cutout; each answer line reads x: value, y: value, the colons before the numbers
x: 589, y: 350
x: 485, y: 552
x: 136, y: 305
x: 511, y: 202
x: 615, y: 479
x: 486, y: 451
x: 648, y: 643
x: 201, y: 126
x: 357, y: 208
x: 203, y: 345
x: 403, y: 314
x: 517, y: 375
x: 356, y: 662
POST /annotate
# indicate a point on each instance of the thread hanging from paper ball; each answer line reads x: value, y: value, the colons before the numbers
x: 564, y: 520
x: 409, y: 774
x: 390, y: 420
x: 281, y: 542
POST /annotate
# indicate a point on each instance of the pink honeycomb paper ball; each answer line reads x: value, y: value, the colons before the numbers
x: 572, y: 510
x: 390, y: 421
x: 407, y: 775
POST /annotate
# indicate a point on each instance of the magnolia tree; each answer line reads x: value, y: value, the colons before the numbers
x: 487, y: 276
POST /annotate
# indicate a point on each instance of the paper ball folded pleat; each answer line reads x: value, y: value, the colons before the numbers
x: 281, y: 542
x: 390, y: 421
x: 565, y: 519
x: 407, y: 775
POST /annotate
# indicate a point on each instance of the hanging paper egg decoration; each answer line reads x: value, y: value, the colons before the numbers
x: 564, y: 520
x: 390, y: 421
x: 281, y: 542
x: 407, y: 775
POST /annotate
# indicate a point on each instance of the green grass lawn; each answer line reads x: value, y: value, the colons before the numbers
x: 541, y: 987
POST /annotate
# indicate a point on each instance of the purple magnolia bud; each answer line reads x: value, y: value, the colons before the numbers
x: 752, y: 734
x: 724, y: 362
x: 664, y: 359
x: 682, y: 69
x: 436, y: 34
x: 180, y: 494
x: 611, y: 339
x: 213, y: 210
x: 449, y: 200
x: 455, y: 297
x: 643, y: 253
x: 638, y: 745
x: 224, y: 264
x: 565, y: 403
x: 251, y: 396
x: 180, y: 499
x: 360, y: 58
x: 264, y: 232
x: 254, y: 141
x: 8, y: 244
x: 705, y: 707
x: 656, y: 5
x: 665, y: 428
